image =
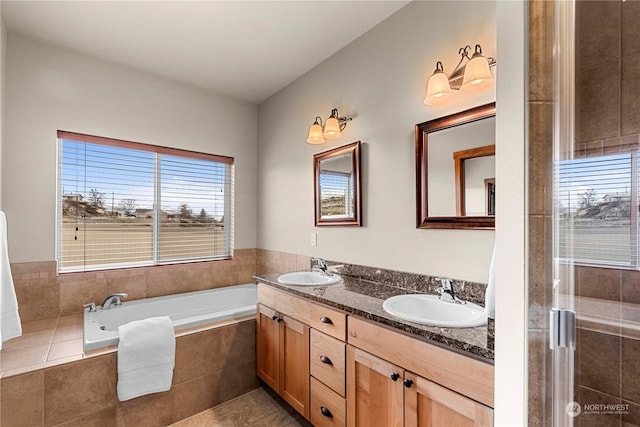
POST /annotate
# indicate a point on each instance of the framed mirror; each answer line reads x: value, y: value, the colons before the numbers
x: 455, y: 170
x: 337, y: 186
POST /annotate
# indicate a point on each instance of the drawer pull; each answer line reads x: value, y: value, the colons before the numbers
x: 395, y: 376
x: 325, y: 319
x: 326, y: 360
x: 327, y: 413
x: 408, y: 383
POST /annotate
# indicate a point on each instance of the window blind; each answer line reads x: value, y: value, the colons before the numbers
x: 597, y: 205
x: 337, y: 194
x: 123, y: 204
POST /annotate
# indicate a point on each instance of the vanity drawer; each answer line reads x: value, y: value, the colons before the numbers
x: 284, y: 302
x: 328, y: 361
x: 334, y: 405
x: 329, y: 321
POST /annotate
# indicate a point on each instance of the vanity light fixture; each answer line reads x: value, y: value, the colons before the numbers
x: 332, y: 128
x: 471, y: 74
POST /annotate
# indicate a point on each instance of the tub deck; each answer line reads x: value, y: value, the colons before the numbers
x: 51, y: 342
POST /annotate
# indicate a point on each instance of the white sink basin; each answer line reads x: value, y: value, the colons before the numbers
x: 308, y: 278
x: 429, y: 310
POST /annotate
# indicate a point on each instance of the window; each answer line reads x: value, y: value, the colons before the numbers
x: 123, y: 204
x: 597, y: 207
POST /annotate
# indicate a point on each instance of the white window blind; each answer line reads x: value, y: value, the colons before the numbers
x: 597, y: 206
x: 123, y: 204
x: 337, y: 194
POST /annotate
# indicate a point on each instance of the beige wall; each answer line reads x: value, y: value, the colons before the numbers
x: 49, y: 88
x: 3, y: 75
x: 379, y: 79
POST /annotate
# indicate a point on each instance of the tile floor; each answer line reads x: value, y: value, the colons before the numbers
x: 256, y: 409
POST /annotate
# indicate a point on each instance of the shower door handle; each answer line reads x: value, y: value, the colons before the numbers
x: 562, y: 328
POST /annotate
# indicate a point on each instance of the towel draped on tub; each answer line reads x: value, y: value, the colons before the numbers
x: 146, y: 357
x: 10, y: 326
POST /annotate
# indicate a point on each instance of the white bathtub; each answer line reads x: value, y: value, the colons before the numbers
x: 186, y: 310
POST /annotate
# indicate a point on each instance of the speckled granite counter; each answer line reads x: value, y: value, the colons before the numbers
x: 364, y: 298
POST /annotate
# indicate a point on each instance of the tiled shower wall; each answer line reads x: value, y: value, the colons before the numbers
x: 607, y: 121
x: 540, y: 144
x: 42, y: 293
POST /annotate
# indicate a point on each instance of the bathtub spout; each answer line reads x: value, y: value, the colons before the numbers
x: 113, y: 299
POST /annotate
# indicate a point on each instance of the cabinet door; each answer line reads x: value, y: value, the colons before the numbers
x: 294, y: 364
x: 429, y: 404
x: 268, y: 347
x: 374, y: 391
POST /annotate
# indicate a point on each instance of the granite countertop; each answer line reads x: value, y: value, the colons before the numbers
x: 364, y: 298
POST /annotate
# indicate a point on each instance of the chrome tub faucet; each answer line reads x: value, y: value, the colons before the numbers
x: 113, y: 299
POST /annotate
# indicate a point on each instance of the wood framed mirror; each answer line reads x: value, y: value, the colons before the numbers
x: 455, y: 170
x: 337, y: 199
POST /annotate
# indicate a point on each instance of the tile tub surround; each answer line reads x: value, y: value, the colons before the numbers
x: 212, y: 366
x: 43, y: 293
x: 364, y: 298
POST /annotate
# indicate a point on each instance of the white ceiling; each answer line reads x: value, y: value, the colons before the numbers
x: 244, y: 49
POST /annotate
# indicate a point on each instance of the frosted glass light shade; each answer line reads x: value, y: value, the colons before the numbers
x: 315, y: 134
x: 332, y: 129
x: 438, y: 88
x: 477, y: 74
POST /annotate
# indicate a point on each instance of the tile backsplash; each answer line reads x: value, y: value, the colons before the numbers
x: 421, y: 283
x: 42, y: 293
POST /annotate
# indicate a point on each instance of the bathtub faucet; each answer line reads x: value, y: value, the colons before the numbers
x: 113, y: 299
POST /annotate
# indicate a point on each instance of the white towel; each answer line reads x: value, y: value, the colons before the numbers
x: 490, y: 293
x: 146, y: 357
x: 9, y: 318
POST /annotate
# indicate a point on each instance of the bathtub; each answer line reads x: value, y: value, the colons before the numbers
x: 187, y: 310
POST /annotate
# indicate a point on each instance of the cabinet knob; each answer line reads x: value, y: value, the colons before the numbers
x: 278, y: 319
x: 325, y: 359
x: 327, y: 413
x: 395, y: 376
x: 325, y: 319
x: 408, y: 383
x: 274, y: 317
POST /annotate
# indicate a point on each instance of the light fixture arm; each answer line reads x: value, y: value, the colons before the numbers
x: 341, y: 120
x: 456, y: 77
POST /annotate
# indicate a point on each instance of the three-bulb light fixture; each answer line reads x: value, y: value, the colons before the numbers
x: 472, y: 75
x: 332, y: 128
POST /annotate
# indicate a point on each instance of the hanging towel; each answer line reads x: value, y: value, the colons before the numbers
x: 490, y: 293
x: 9, y: 318
x: 146, y: 357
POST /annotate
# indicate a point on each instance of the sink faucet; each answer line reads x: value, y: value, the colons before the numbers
x: 320, y: 265
x: 113, y: 299
x: 446, y: 292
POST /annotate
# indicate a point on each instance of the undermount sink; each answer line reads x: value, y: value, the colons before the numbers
x: 308, y: 278
x: 431, y: 311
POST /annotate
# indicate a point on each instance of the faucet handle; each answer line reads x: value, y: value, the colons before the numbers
x: 92, y: 307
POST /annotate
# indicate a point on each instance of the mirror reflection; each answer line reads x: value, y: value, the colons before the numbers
x: 455, y: 159
x: 337, y: 186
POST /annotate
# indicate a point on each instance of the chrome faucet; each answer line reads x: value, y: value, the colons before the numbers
x: 321, y: 266
x: 446, y: 292
x: 113, y: 299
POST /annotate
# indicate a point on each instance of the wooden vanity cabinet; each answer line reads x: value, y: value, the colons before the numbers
x: 283, y: 357
x: 382, y: 385
x: 345, y: 371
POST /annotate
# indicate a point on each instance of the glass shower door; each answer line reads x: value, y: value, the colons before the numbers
x: 596, y: 270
